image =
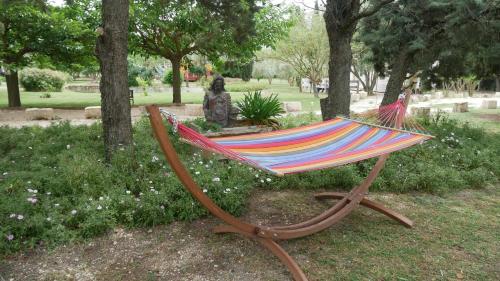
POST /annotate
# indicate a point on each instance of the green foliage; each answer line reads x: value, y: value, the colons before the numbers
x: 139, y: 70
x: 260, y: 110
x: 55, y: 187
x: 168, y: 79
x: 244, y: 87
x: 306, y: 49
x: 42, y: 80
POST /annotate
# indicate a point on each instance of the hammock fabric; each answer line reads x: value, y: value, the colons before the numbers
x: 323, y: 145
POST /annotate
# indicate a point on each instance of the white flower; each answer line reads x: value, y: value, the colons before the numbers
x: 73, y: 212
x: 48, y: 193
x: 20, y: 217
x: 206, y: 166
x: 68, y: 146
x: 30, y: 147
x: 211, y: 162
x: 150, y: 181
x: 128, y: 191
x: 257, y: 175
x: 12, y: 216
x: 155, y: 158
x: 56, y: 205
x: 162, y: 207
x: 205, y: 190
x: 5, y: 173
x: 35, y: 191
x: 99, y: 207
x: 33, y: 200
x: 268, y: 180
x: 90, y: 199
x: 49, y: 219
x: 196, y: 173
x: 30, y: 190
x: 228, y: 189
x: 101, y: 198
x: 10, y: 237
x: 201, y: 163
x: 216, y: 179
x: 262, y: 181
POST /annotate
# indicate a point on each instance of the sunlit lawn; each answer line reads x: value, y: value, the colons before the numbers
x: 69, y: 99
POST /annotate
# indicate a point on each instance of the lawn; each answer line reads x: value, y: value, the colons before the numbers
x: 194, y: 94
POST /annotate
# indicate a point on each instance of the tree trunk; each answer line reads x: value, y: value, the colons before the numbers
x: 497, y: 82
x: 397, y: 78
x: 176, y: 83
x: 12, y: 80
x: 112, y: 51
x: 339, y: 96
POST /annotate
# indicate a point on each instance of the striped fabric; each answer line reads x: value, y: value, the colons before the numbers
x: 318, y: 146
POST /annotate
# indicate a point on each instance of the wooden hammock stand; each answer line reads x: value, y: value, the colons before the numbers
x: 268, y: 235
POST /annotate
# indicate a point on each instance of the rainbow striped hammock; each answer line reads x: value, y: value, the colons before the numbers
x: 318, y: 146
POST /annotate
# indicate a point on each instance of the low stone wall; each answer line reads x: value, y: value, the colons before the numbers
x: 489, y: 104
x: 93, y: 112
x: 40, y: 114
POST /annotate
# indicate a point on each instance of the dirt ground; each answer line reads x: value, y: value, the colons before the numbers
x: 446, y: 244
x: 179, y: 251
x: 17, y: 117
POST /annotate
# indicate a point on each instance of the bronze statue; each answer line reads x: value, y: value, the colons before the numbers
x: 217, y: 104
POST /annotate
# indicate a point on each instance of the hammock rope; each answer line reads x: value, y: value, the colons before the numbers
x: 331, y: 143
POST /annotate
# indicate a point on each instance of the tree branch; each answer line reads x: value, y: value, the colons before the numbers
x: 369, y: 12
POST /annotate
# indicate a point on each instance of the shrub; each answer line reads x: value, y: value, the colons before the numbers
x: 39, y: 80
x: 244, y: 88
x: 260, y: 110
x: 168, y: 79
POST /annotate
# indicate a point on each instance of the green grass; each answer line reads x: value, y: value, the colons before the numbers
x: 489, y: 119
x: 61, y: 168
x: 68, y: 99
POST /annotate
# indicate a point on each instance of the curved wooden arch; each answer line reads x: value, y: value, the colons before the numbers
x: 267, y: 236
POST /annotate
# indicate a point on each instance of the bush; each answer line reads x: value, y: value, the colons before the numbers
x: 40, y: 80
x: 242, y: 88
x: 168, y: 79
x: 260, y: 110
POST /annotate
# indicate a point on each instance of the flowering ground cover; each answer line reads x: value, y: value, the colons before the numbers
x: 55, y: 187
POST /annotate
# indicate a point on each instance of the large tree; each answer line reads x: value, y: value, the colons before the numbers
x: 176, y: 28
x: 31, y: 30
x: 362, y: 67
x: 306, y: 49
x: 112, y: 52
x: 438, y: 38
x: 341, y: 17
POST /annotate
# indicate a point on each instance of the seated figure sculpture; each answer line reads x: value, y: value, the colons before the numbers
x: 217, y: 104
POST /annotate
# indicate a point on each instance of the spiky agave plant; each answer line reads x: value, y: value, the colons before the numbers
x: 260, y: 110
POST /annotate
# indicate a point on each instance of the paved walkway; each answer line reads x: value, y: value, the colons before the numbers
x: 17, y: 118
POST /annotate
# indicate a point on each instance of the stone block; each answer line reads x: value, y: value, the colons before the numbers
x: 40, y: 113
x: 363, y: 95
x: 193, y: 110
x: 292, y: 106
x: 461, y: 107
x: 421, y: 111
x: 497, y: 94
x: 93, y: 112
x: 355, y: 97
x: 427, y: 97
x: 489, y: 104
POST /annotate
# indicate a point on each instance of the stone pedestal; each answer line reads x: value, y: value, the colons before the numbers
x: 39, y: 113
x: 421, y: 111
x: 489, y: 104
x: 292, y: 106
x: 193, y: 110
x: 461, y: 107
x: 93, y: 112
